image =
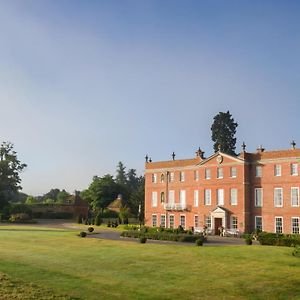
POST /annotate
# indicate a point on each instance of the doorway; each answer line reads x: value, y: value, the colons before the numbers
x: 218, y: 223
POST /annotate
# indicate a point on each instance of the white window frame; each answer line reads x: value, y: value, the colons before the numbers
x: 207, y: 197
x: 171, y: 177
x: 277, y: 170
x: 256, y: 204
x: 275, y: 223
x: 161, y: 216
x: 162, y: 178
x: 171, y: 197
x: 255, y: 221
x: 182, y: 197
x: 172, y: 216
x: 296, y: 188
x: 154, y: 199
x: 220, y: 200
x: 233, y: 174
x: 293, y: 227
x: 154, y: 215
x: 181, y: 176
x: 220, y: 174
x: 196, y: 198
x: 208, y: 222
x: 182, y: 216
x: 294, y: 171
x: 235, y: 202
x: 154, y: 178
x: 196, y: 224
x: 196, y: 175
x: 278, y: 189
x: 207, y: 173
x: 234, y: 225
x: 258, y: 171
x: 162, y: 197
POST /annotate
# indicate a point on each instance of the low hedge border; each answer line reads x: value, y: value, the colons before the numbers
x: 164, y: 236
x: 275, y: 239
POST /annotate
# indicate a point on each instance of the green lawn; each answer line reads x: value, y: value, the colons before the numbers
x: 59, y: 265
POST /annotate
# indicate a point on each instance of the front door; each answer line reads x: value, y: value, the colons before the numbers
x: 218, y: 223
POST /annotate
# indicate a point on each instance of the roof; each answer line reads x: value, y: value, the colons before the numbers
x: 277, y: 154
x: 173, y: 163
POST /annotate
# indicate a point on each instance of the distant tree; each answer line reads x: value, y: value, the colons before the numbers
x: 52, y: 194
x: 124, y: 214
x: 137, y: 198
x: 223, y: 133
x: 10, y: 168
x: 101, y: 192
x: 49, y: 201
x: 121, y: 174
x: 62, y: 197
x: 31, y: 200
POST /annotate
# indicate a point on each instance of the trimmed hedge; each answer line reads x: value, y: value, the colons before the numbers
x: 275, y: 239
x: 163, y: 236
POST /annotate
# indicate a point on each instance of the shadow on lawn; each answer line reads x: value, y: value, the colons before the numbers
x: 32, y: 230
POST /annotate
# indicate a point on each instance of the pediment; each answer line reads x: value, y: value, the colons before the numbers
x: 219, y: 209
x: 220, y: 158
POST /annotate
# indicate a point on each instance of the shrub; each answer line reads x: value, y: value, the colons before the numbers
x: 143, y: 239
x: 82, y: 234
x: 91, y: 229
x: 248, y: 241
x: 296, y: 251
x: 275, y: 239
x: 199, y: 242
x: 108, y: 223
x: 98, y: 220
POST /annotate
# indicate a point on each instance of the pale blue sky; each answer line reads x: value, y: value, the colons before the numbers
x: 85, y: 84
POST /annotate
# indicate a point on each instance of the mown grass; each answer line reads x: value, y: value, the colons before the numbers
x: 61, y: 263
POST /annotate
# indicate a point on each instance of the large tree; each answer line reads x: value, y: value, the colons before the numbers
x: 223, y: 133
x: 10, y: 168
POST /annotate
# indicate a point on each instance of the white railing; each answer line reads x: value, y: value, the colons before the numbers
x: 175, y: 206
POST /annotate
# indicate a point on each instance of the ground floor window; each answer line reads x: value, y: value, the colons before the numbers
x: 295, y: 225
x: 154, y: 220
x: 162, y: 221
x: 258, y: 223
x: 182, y: 221
x: 171, y: 221
x: 278, y: 224
x: 196, y: 221
x: 234, y: 222
x: 208, y: 221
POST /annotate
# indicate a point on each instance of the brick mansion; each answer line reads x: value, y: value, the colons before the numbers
x: 239, y: 193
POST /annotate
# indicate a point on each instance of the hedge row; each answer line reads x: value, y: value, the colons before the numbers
x: 164, y: 236
x: 275, y: 239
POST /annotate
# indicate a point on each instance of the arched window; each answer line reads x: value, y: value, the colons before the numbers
x: 162, y: 178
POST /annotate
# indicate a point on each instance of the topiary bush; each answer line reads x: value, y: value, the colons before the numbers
x: 82, y: 234
x: 98, y: 220
x: 91, y: 229
x: 143, y: 239
x: 199, y: 242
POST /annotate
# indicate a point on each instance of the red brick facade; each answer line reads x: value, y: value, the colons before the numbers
x: 240, y: 193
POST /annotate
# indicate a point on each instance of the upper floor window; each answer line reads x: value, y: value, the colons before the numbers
x: 258, y: 197
x: 233, y: 172
x: 233, y: 196
x: 294, y: 169
x: 277, y: 170
x: 196, y: 198
x: 220, y: 196
x: 154, y: 199
x: 181, y: 176
x: 294, y: 196
x: 207, y: 197
x: 196, y: 175
x: 258, y: 171
x: 220, y: 173
x: 171, y: 177
x: 162, y: 178
x: 278, y: 197
x: 171, y: 198
x: 207, y: 174
x: 162, y: 197
x: 154, y: 178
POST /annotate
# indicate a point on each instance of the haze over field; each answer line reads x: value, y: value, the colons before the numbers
x: 85, y: 84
